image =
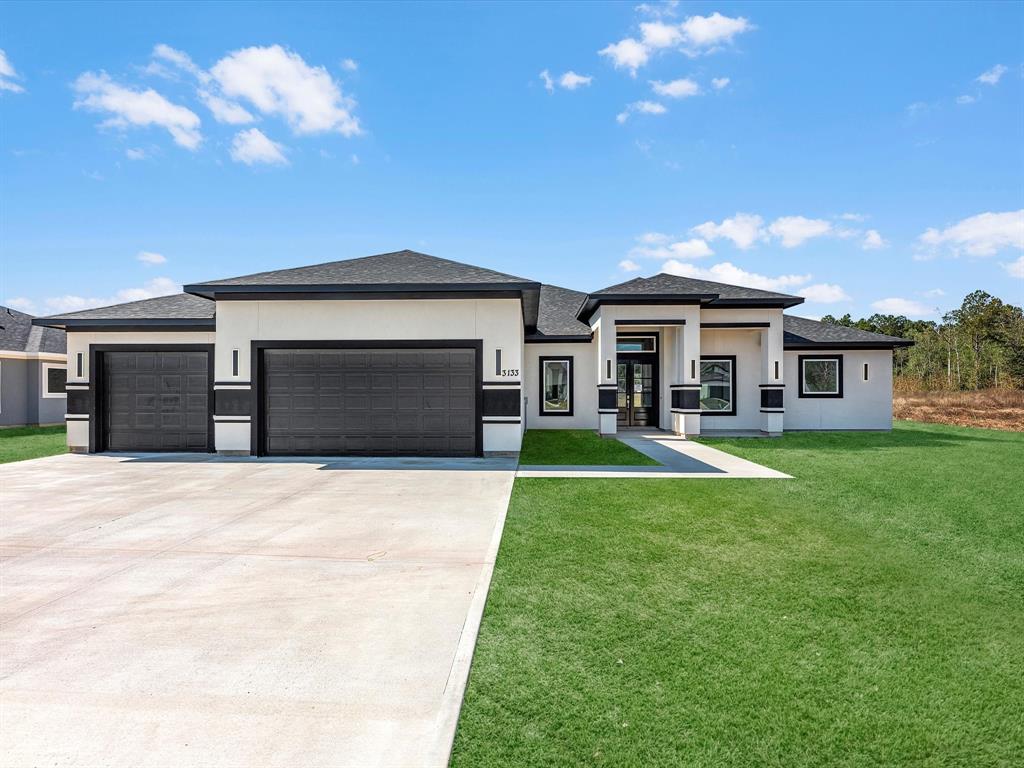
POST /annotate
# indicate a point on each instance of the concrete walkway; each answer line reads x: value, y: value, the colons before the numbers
x: 164, y: 610
x: 679, y: 458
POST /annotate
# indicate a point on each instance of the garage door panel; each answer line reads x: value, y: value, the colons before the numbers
x: 371, y: 402
x: 155, y: 400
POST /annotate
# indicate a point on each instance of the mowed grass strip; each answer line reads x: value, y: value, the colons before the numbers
x: 578, y: 447
x: 868, y: 612
x: 20, y: 443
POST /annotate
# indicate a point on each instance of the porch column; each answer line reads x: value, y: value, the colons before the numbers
x: 772, y: 377
x: 685, y: 387
x: 607, y: 385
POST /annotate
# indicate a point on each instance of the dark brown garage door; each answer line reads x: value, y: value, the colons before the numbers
x: 393, y: 402
x: 155, y: 401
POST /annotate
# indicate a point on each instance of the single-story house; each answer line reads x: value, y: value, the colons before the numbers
x: 409, y: 354
x: 33, y: 366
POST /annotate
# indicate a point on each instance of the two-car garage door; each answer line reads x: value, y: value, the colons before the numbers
x: 397, y: 402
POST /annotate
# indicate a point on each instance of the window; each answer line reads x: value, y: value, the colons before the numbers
x: 821, y: 376
x: 556, y: 386
x: 54, y: 378
x: 635, y: 344
x: 718, y: 385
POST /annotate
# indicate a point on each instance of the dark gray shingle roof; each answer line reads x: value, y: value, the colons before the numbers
x: 557, y: 314
x: 177, y: 308
x: 17, y: 334
x: 663, y: 283
x: 801, y: 332
x: 398, y: 268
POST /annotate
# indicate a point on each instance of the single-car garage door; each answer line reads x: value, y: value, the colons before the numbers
x: 155, y: 401
x: 393, y: 402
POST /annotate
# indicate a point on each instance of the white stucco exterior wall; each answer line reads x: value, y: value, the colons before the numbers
x: 864, y: 404
x: 746, y: 346
x: 584, y: 395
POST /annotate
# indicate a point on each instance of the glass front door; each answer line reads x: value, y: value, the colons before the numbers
x: 637, y: 394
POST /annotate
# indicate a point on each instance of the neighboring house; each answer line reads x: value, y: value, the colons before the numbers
x: 408, y: 354
x: 33, y: 367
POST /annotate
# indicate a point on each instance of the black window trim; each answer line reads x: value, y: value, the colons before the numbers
x: 732, y: 383
x: 572, y: 384
x: 44, y: 380
x: 801, y: 359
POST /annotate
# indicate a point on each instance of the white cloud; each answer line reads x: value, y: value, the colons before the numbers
x: 718, y: 83
x: 279, y: 82
x: 934, y: 292
x: 744, y: 229
x: 853, y: 216
x: 676, y: 89
x: 824, y: 293
x: 1015, y: 268
x: 97, y: 92
x: 666, y: 8
x: 992, y: 76
x: 135, y: 153
x: 873, y: 240
x: 225, y: 111
x: 695, y: 248
x: 148, y: 257
x: 8, y: 74
x: 355, y: 159
x: 549, y: 83
x: 644, y: 107
x: 659, y: 35
x: 571, y: 81
x: 628, y: 265
x: 159, y: 286
x: 181, y: 60
x: 252, y: 147
x: 627, y: 54
x: 653, y: 238
x: 965, y: 99
x: 733, y: 275
x: 794, y: 230
x: 22, y: 304
x: 898, y: 306
x: 713, y: 30
x: 349, y: 65
x: 980, y: 235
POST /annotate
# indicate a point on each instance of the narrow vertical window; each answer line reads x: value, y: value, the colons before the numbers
x: 865, y: 371
x: 234, y: 362
x: 497, y: 362
x: 776, y: 370
x: 78, y: 363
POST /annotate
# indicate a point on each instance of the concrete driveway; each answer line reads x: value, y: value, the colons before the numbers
x: 161, y: 611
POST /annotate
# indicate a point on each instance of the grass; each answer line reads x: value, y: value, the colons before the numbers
x: 579, y: 447
x: 867, y: 613
x: 20, y: 443
x: 991, y: 408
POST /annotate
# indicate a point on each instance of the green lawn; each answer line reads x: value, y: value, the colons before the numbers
x: 869, y: 612
x: 577, y: 446
x: 19, y: 443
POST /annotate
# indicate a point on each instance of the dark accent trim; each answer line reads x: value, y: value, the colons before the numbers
x: 846, y: 345
x: 567, y: 339
x: 606, y: 400
x: 608, y: 367
x: 592, y: 302
x: 686, y: 399
x: 231, y: 402
x: 234, y: 362
x: 500, y: 420
x: 497, y: 362
x: 773, y: 410
x: 651, y: 322
x: 232, y: 383
x: 800, y: 376
x: 783, y: 303
x: 124, y: 324
x: 509, y: 383
x: 230, y: 419
x: 735, y: 325
x: 572, y: 384
x: 731, y: 412
x: 693, y: 368
x: 684, y: 386
x: 79, y: 358
x: 771, y: 398
x: 257, y: 346
x: 502, y: 402
x: 776, y: 369
x: 363, y: 290
x: 772, y: 386
x: 96, y: 352
x: 607, y: 386
x: 76, y: 417
x: 78, y: 401
x: 608, y: 410
x: 865, y: 371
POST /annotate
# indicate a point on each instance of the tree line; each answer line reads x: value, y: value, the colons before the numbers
x: 977, y: 346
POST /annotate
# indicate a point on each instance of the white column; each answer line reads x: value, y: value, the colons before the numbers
x: 685, y: 388
x: 772, y: 376
x: 607, y: 386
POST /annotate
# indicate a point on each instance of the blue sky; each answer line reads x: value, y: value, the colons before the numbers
x: 869, y: 156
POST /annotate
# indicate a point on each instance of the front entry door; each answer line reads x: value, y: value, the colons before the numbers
x: 637, y: 394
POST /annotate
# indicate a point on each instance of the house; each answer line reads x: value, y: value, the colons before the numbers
x: 33, y: 366
x: 409, y: 354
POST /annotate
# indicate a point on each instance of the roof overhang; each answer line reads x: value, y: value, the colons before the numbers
x: 593, y: 301
x: 812, y: 345
x: 127, y: 324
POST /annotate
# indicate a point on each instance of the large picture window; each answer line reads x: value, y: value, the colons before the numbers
x: 556, y: 386
x: 54, y: 379
x: 718, y: 385
x: 821, y: 376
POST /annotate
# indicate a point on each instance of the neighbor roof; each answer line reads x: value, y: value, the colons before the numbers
x: 174, y: 311
x: 405, y: 269
x: 17, y: 334
x: 556, y: 319
x: 802, y: 333
x: 664, y: 286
